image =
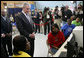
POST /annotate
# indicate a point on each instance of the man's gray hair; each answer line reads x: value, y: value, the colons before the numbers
x: 25, y: 4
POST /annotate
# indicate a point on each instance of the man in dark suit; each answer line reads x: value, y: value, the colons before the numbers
x: 24, y: 24
x: 6, y: 33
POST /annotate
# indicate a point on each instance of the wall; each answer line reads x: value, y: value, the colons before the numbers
x: 12, y: 4
x: 13, y: 7
x: 52, y: 4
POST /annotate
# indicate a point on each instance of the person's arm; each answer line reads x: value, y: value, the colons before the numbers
x: 63, y: 38
x: 74, y: 26
x: 80, y: 23
x: 20, y: 26
x: 72, y: 22
x: 3, y: 32
x: 62, y: 28
x: 50, y: 41
x: 55, y: 47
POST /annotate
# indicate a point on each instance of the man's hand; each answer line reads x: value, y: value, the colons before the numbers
x: 3, y: 35
x: 32, y: 35
x: 55, y: 47
x: 9, y: 34
x: 34, y: 16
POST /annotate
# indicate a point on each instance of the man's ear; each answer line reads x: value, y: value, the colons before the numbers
x: 28, y: 46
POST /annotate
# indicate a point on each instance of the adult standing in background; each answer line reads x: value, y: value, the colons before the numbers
x: 57, y: 17
x: 6, y: 33
x: 66, y: 14
x: 11, y: 18
x: 36, y: 21
x: 75, y: 12
x: 80, y: 12
x: 41, y: 21
x: 24, y: 24
x: 47, y: 17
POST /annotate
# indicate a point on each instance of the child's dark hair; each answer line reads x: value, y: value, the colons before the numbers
x: 55, y: 25
x: 19, y: 43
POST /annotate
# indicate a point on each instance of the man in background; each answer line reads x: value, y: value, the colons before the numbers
x: 6, y: 33
x: 66, y: 15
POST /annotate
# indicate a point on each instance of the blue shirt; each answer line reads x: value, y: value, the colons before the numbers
x: 67, y: 29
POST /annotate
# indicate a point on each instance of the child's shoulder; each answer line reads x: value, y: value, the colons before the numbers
x: 61, y: 32
x: 50, y: 33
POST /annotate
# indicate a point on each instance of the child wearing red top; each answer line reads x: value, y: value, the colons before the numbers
x: 55, y: 38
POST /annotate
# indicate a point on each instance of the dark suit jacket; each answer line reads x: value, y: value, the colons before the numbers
x: 6, y: 26
x: 23, y: 25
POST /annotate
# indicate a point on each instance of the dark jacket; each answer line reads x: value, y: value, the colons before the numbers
x: 45, y: 17
x: 67, y: 13
x: 56, y: 14
x: 23, y: 25
x: 6, y: 26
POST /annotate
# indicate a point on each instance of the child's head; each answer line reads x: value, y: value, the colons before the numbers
x: 54, y: 29
x: 77, y: 19
x: 20, y: 44
x: 72, y: 18
x: 69, y: 21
